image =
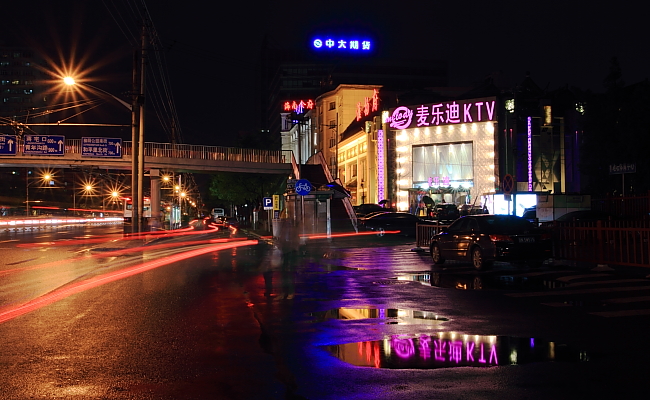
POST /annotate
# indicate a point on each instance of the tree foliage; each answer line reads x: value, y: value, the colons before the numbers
x: 244, y: 188
x: 617, y: 131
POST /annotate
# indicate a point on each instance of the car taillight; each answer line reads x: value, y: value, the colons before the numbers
x: 500, y: 238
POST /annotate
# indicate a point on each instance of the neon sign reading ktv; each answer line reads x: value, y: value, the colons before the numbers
x: 443, y: 113
x: 341, y: 44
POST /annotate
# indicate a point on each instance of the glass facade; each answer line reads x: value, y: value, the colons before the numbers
x: 443, y: 165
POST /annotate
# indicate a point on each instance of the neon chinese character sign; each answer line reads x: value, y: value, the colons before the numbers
x: 444, y: 113
x: 370, y: 104
x: 381, y: 166
x: 299, y: 106
x: 351, y: 45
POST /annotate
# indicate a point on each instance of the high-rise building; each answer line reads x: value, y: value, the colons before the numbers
x: 288, y: 77
x: 22, y: 96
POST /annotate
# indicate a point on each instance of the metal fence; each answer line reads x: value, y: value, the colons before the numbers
x: 635, y: 206
x: 424, y: 232
x: 198, y: 152
x: 601, y: 242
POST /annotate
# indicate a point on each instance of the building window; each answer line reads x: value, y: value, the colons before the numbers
x: 332, y: 105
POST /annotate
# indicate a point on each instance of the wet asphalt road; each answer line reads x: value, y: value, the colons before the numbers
x: 351, y: 318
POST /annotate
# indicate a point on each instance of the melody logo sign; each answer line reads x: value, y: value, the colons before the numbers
x: 401, y: 118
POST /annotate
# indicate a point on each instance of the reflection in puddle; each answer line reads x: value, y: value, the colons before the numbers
x: 480, y: 281
x: 387, y: 315
x: 446, y: 350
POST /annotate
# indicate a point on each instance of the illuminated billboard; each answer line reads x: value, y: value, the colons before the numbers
x: 443, y: 113
x: 342, y: 44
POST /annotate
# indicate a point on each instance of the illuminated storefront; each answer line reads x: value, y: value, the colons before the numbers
x: 362, y: 154
x: 445, y: 150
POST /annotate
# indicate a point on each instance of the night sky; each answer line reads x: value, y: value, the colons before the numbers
x: 212, y: 50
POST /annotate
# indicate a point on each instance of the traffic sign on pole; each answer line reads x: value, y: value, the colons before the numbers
x: 8, y: 145
x: 303, y: 187
x: 268, y: 203
x: 508, y: 184
x: 101, y: 147
x: 46, y: 145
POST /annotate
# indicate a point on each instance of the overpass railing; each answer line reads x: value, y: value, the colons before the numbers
x: 198, y: 152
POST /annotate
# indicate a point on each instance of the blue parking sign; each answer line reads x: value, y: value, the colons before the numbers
x: 268, y: 203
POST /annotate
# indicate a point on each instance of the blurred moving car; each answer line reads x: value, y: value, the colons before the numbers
x: 446, y: 212
x: 231, y: 222
x: 390, y: 221
x: 483, y: 239
x: 364, y: 209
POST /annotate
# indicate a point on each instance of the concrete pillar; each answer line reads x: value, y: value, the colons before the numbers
x: 154, y: 177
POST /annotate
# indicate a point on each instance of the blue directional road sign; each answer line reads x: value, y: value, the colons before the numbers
x: 268, y: 203
x: 46, y: 145
x: 8, y: 145
x: 101, y: 147
x: 303, y: 187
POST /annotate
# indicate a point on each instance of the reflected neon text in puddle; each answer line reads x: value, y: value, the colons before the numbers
x: 448, y: 350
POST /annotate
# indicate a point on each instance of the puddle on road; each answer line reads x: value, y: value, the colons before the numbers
x: 383, y: 315
x: 480, y: 281
x: 448, y: 350
x: 331, y: 268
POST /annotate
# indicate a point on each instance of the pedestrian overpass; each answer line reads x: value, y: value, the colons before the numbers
x: 165, y: 157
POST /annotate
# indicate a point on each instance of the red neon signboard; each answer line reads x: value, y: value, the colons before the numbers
x: 298, y: 106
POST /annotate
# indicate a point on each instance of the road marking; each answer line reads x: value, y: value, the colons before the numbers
x: 623, y: 300
x: 539, y: 273
x: 572, y: 277
x: 561, y: 292
x: 610, y: 281
x: 558, y: 304
x: 622, y: 313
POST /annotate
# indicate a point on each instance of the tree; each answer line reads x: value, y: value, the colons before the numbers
x: 245, y: 188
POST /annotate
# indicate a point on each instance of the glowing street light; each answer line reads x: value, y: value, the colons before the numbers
x: 45, y: 178
x: 137, y: 138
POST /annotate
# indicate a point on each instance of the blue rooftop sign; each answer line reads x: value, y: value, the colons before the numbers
x: 340, y: 44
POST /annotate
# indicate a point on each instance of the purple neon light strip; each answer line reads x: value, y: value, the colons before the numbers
x: 530, y: 154
x: 381, y: 164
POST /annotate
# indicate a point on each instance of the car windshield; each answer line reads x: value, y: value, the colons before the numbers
x: 504, y: 224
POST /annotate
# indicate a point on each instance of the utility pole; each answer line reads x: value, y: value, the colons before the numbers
x: 143, y: 60
x: 135, y: 148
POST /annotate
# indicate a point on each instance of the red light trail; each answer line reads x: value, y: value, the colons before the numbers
x: 78, y: 287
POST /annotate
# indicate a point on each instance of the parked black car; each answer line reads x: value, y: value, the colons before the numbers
x: 483, y: 239
x: 403, y: 222
x: 446, y: 212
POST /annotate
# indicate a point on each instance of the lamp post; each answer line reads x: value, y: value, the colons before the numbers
x: 137, y: 131
x: 44, y: 178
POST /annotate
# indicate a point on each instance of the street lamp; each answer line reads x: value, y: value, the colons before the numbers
x: 46, y: 177
x: 137, y: 137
